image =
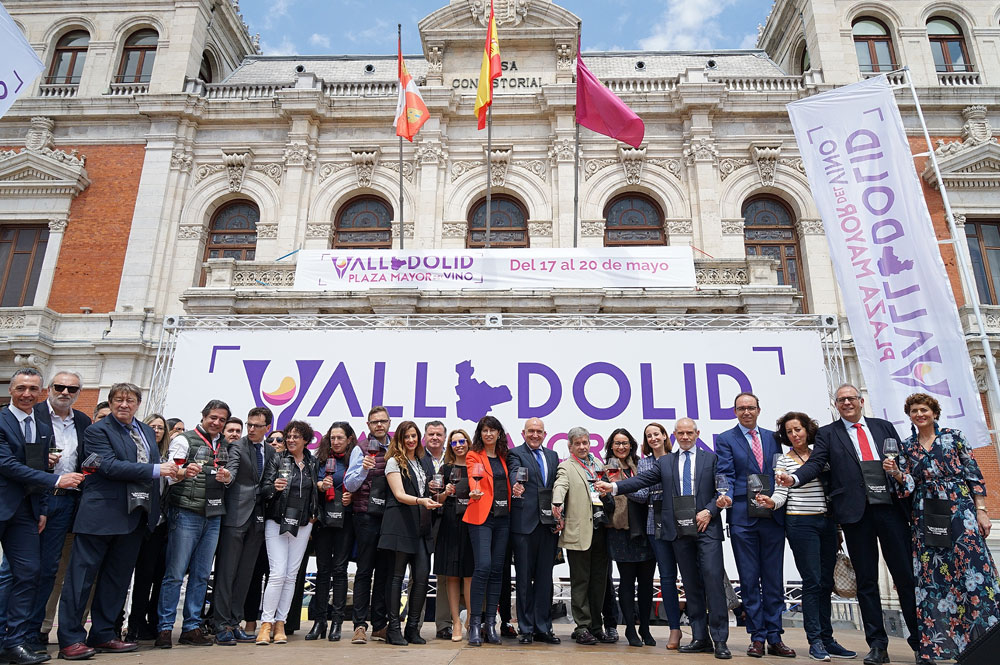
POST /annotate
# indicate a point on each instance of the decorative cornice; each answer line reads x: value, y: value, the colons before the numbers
x: 267, y: 231
x: 679, y: 226
x: 58, y: 224
x: 408, y: 169
x: 322, y: 231
x: 562, y: 150
x: 592, y: 229
x: 299, y: 154
x: 810, y: 227
x: 408, y: 228
x: 39, y: 170
x: 701, y: 149
x: 182, y: 161
x: 632, y: 160
x: 365, y: 160
x: 454, y: 229
x: 540, y: 229
x: 328, y: 170
x: 732, y: 227
x: 191, y: 232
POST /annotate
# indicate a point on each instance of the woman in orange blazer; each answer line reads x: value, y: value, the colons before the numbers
x: 488, y: 517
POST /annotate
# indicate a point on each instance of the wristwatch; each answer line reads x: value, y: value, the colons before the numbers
x: 984, y: 510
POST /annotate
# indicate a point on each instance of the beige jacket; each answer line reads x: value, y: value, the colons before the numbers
x: 572, y: 490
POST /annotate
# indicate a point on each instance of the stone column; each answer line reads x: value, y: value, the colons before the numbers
x: 57, y: 229
x: 818, y: 277
x: 702, y: 160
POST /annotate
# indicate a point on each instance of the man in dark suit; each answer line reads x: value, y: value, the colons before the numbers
x: 120, y: 500
x: 24, y: 481
x: 758, y: 542
x: 242, y: 533
x: 845, y: 444
x: 691, y: 472
x: 55, y: 414
x: 534, y: 543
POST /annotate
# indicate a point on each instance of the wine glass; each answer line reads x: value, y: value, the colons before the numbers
x: 438, y: 482
x: 285, y: 471
x: 180, y: 459
x: 521, y: 476
x: 775, y: 462
x: 755, y: 486
x: 330, y: 467
x: 478, y: 471
x: 721, y: 484
x: 613, y: 469
x: 890, y: 448
x: 203, y: 456
x: 91, y: 464
x: 456, y: 475
x: 54, y: 450
x: 221, y: 457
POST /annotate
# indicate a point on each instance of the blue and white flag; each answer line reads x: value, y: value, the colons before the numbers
x: 884, y: 249
x: 19, y: 64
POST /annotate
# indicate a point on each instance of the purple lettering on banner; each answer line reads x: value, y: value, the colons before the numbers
x: 649, y: 411
x: 624, y: 391
x: 524, y: 407
x: 378, y: 391
x: 718, y: 410
x: 255, y: 375
x: 339, y: 379
x: 690, y: 391
x: 420, y: 407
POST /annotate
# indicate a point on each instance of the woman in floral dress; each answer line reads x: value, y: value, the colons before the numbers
x: 957, y: 590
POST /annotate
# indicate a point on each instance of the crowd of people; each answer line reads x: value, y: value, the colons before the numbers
x: 89, y: 509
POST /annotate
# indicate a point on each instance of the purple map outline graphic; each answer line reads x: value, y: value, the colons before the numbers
x: 476, y: 398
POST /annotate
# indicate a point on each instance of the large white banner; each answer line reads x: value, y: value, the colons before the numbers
x: 600, y: 379
x: 19, y: 64
x: 611, y: 268
x: 896, y: 291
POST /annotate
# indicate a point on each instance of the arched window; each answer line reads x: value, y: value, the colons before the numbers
x: 137, y: 57
x: 67, y: 63
x: 233, y: 232
x: 948, y: 46
x: 874, y: 46
x: 364, y: 223
x: 633, y: 219
x: 769, y: 230
x: 805, y: 64
x: 508, y: 223
x: 206, y: 71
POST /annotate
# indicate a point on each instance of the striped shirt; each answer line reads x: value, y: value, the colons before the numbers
x: 808, y: 499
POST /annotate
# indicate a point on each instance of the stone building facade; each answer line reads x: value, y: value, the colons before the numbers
x: 162, y: 166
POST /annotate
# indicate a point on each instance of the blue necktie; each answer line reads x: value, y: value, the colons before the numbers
x: 29, y: 436
x: 260, y: 460
x: 541, y: 464
x: 686, y: 481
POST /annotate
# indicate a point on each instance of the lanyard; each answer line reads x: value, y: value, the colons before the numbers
x: 207, y: 442
x: 591, y: 474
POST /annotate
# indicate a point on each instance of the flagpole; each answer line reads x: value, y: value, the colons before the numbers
x: 489, y: 180
x: 576, y: 185
x: 963, y: 265
x: 399, y: 34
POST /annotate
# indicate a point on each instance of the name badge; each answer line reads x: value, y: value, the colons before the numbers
x: 595, y: 498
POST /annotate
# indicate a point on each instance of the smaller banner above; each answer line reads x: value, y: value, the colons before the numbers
x: 481, y: 269
x: 19, y: 64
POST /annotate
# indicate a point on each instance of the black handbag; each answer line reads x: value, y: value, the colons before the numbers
x: 937, y: 523
x: 637, y: 513
x: 377, y: 495
x: 876, y: 483
x: 685, y: 512
x: 333, y: 513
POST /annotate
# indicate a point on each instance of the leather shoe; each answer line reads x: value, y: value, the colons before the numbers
x: 242, y: 636
x: 195, y: 638
x: 697, y: 646
x: 610, y: 635
x: 756, y: 649
x: 585, y: 637
x: 76, y: 651
x: 163, y: 640
x: 22, y: 655
x: 36, y: 647
x: 877, y: 656
x: 444, y: 634
x: 781, y: 649
x: 525, y: 638
x: 116, y: 646
x: 722, y: 652
x: 490, y: 634
x: 507, y: 630
x: 547, y: 638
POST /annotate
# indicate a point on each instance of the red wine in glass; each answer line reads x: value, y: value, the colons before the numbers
x: 478, y: 471
x: 373, y: 447
x: 91, y: 464
x: 613, y: 469
x: 180, y: 461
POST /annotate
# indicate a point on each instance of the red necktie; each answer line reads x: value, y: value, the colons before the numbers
x: 758, y: 451
x: 866, y: 449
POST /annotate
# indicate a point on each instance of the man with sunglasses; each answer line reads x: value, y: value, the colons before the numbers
x: 67, y: 424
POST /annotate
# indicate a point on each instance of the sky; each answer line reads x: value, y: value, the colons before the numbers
x: 318, y: 27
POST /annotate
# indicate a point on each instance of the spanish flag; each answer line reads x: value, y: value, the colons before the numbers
x: 411, y: 112
x: 489, y: 71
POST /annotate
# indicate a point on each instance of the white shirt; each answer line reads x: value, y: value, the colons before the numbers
x: 64, y: 432
x: 21, y: 417
x: 853, y: 433
x: 680, y: 468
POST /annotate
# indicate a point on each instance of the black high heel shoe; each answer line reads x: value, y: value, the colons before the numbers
x: 318, y: 630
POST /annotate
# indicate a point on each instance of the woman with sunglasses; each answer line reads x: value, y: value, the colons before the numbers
x: 488, y: 517
x: 290, y: 490
x: 406, y: 529
x: 333, y: 533
x: 453, y: 561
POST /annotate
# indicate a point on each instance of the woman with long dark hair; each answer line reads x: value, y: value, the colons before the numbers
x: 453, y: 560
x: 488, y: 517
x: 333, y: 533
x: 406, y: 529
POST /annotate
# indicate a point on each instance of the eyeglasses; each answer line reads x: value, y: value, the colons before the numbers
x: 58, y: 387
x: 745, y: 409
x: 626, y: 444
x: 158, y: 428
x: 272, y: 439
x: 459, y: 442
x: 847, y: 400
x: 256, y: 425
x: 131, y: 401
x: 383, y: 421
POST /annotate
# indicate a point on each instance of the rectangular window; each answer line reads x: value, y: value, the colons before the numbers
x: 984, y: 250
x: 22, y: 249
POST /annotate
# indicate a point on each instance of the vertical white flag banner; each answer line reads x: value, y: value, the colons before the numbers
x: 19, y: 64
x: 897, y: 294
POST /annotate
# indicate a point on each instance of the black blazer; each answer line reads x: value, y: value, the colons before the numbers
x: 524, y: 511
x: 103, y: 508
x: 846, y: 494
x: 666, y: 473
x: 81, y: 421
x: 277, y: 502
x: 17, y: 478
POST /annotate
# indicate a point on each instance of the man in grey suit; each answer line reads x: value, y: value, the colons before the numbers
x: 691, y: 472
x: 534, y: 542
x: 242, y: 532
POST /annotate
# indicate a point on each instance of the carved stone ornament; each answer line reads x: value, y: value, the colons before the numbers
x: 39, y: 134
x: 460, y: 168
x: 11, y: 321
x: 430, y: 152
x: 959, y: 220
x: 701, y: 150
x: 499, y: 159
x: 979, y: 369
x: 299, y: 154
x: 732, y: 227
x: 505, y: 12
x: 190, y: 232
x: 272, y: 171
x: 592, y: 166
x: 723, y: 276
x: 235, y: 165
x: 267, y: 231
x: 632, y: 160
x: 39, y: 170
x: 365, y: 161
x: 565, y: 53
x: 680, y: 226
x: 182, y: 161
x: 976, y: 131
x: 314, y: 231
x: 810, y: 227
x: 535, y: 166
x: 58, y: 224
x: 592, y: 229
x: 408, y: 169
x: 766, y: 159
x: 540, y: 229
x: 562, y: 150
x: 728, y: 166
x: 31, y: 359
x: 435, y: 59
x: 453, y: 229
x: 328, y: 170
x: 672, y: 166
x: 408, y: 228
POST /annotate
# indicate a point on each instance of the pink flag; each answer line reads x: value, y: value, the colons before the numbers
x: 599, y: 109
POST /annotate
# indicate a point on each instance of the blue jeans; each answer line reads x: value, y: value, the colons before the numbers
x: 667, y: 563
x: 190, y: 549
x: 51, y: 540
x: 489, y: 545
x: 813, y: 539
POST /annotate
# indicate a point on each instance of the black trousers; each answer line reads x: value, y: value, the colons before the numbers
x: 19, y: 538
x: 333, y: 552
x: 420, y: 568
x: 258, y: 578
x: 506, y: 591
x: 149, y: 569
x: 885, y: 527
x: 235, y: 560
x: 703, y: 570
x: 630, y: 573
x: 609, y: 609
x: 534, y: 557
x: 375, y: 566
